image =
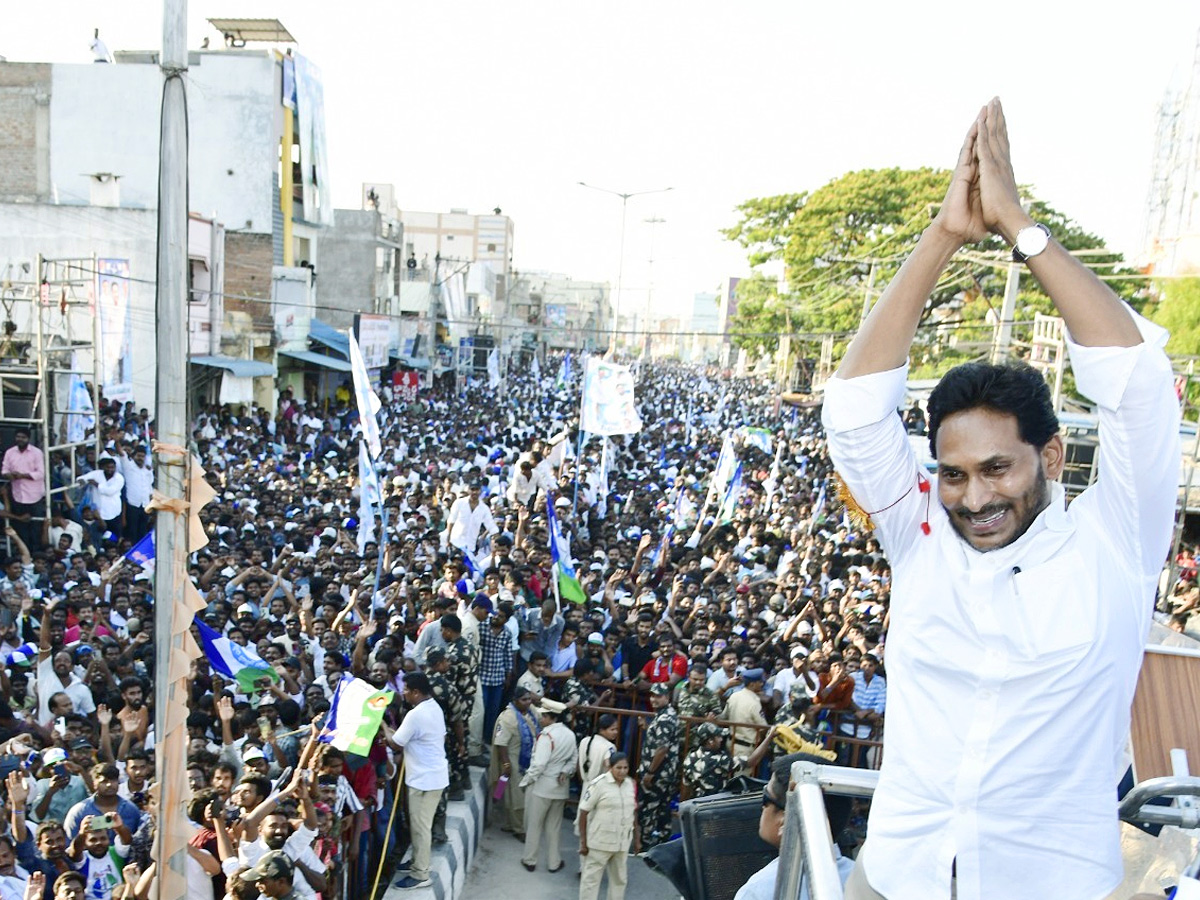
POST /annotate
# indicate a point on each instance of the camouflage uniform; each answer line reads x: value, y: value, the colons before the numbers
x: 582, y: 695
x: 696, y: 703
x: 463, y: 675
x: 448, y: 699
x: 654, y: 803
x: 705, y: 772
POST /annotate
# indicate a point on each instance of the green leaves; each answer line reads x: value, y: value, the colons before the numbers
x: 830, y: 239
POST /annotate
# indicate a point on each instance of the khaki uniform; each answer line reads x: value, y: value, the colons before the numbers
x: 508, y: 735
x: 745, y: 706
x: 612, y: 816
x: 549, y: 783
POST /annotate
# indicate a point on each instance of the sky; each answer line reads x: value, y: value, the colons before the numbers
x: 479, y: 105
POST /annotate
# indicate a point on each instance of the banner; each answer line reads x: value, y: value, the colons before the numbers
x: 608, y: 406
x: 79, y: 400
x: 560, y: 555
x: 116, y: 337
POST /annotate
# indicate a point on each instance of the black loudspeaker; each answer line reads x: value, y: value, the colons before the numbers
x: 721, y: 844
x: 18, y: 397
x: 484, y: 343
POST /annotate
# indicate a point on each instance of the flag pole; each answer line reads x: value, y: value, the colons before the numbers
x: 578, y: 459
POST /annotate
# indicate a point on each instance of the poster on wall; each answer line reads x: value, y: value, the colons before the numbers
x: 374, y: 336
x: 406, y: 386
x: 116, y: 335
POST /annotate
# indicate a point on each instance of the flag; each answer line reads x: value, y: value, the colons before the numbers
x: 365, y: 397
x: 241, y: 664
x: 757, y: 437
x: 493, y: 369
x: 772, y: 482
x: 726, y: 463
x: 732, y: 495
x: 355, y: 715
x: 607, y: 399
x: 560, y: 555
x: 818, y: 506
x: 143, y: 551
x: 369, y: 497
x: 535, y: 369
x: 476, y: 566
x: 564, y: 372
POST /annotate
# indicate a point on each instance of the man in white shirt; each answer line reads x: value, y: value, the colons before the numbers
x: 106, y: 486
x: 467, y: 516
x: 139, y: 484
x: 422, y: 737
x: 1017, y: 624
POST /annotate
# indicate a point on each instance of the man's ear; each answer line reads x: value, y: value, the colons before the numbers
x: 1053, y: 456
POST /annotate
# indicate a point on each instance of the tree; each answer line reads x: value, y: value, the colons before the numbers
x: 1178, y: 310
x: 830, y: 239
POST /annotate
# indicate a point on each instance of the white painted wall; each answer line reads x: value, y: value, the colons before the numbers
x: 106, y: 119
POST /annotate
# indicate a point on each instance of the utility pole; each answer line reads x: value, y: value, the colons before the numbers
x: 652, y: 222
x: 1007, y: 311
x: 867, y: 294
x: 171, y: 467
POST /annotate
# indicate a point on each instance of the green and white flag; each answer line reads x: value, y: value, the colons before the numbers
x: 355, y: 715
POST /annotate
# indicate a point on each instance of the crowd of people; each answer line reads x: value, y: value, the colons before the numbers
x: 716, y: 630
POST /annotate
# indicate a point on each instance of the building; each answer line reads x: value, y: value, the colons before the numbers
x: 362, y: 265
x: 705, y: 326
x: 1172, y: 240
x: 561, y: 312
x: 85, y: 137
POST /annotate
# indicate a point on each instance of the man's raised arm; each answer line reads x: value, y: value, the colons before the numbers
x: 1093, y: 314
x: 883, y: 341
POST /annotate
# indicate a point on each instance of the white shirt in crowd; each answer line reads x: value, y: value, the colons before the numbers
x: 422, y: 734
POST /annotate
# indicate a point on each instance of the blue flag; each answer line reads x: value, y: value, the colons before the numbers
x: 143, y: 551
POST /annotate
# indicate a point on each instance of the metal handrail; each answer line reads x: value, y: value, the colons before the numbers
x: 1134, y: 808
x: 806, y: 853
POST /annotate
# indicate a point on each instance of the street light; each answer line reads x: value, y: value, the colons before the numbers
x: 621, y: 264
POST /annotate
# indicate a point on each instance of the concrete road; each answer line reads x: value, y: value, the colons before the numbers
x: 497, y: 872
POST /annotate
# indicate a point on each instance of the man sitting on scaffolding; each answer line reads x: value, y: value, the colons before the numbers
x: 1017, y: 624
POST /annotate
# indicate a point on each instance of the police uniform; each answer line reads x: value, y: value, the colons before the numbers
x: 464, y: 676
x: 706, y: 772
x: 612, y: 815
x: 654, y: 808
x: 696, y: 703
x: 575, y: 694
x: 508, y: 735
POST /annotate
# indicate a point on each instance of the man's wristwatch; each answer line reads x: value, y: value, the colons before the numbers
x: 1030, y: 242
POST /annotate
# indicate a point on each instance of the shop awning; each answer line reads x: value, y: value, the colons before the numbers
x: 411, y: 362
x: 317, y: 359
x: 241, y: 368
x: 330, y: 337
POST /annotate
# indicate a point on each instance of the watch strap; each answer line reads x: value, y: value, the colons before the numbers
x: 1020, y: 257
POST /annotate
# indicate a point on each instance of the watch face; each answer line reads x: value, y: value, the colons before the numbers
x: 1032, y: 241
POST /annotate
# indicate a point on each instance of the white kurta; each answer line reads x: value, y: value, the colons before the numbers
x: 1011, y: 672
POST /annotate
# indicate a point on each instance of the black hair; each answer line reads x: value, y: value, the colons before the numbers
x: 837, y: 808
x: 1013, y: 388
x: 419, y: 682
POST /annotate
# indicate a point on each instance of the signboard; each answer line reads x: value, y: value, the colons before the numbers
x: 116, y: 338
x: 405, y: 386
x: 556, y: 315
x: 374, y: 335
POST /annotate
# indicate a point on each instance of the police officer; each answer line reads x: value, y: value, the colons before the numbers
x: 607, y: 816
x: 463, y: 674
x: 658, y: 770
x: 455, y: 711
x: 708, y: 767
x: 692, y: 697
